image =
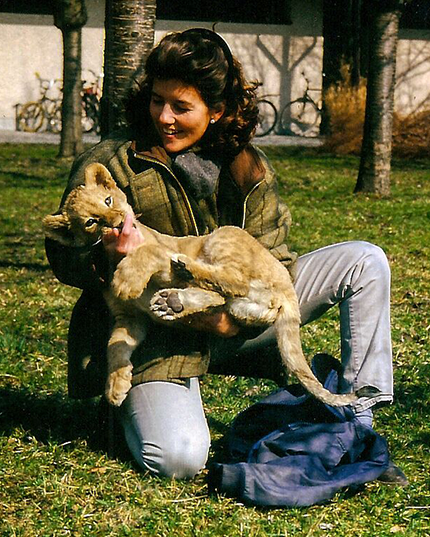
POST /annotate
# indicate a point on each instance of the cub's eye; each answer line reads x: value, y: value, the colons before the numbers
x: 90, y: 222
x: 108, y: 201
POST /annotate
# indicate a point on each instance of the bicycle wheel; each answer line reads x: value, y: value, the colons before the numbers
x: 90, y: 113
x: 267, y: 117
x: 31, y: 117
x: 54, y: 117
x: 300, y: 118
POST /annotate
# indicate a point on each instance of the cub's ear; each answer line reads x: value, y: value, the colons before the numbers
x: 98, y: 175
x: 57, y: 227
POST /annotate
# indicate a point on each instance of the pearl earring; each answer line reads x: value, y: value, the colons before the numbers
x: 212, y: 121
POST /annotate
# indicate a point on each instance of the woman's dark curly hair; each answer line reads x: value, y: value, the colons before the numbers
x: 202, y: 59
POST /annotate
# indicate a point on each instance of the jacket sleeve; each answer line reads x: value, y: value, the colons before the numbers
x: 80, y: 267
x: 267, y: 217
x: 85, y: 268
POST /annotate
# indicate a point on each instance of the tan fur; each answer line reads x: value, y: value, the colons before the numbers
x: 169, y: 278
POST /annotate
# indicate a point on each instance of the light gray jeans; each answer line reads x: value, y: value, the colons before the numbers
x: 164, y: 423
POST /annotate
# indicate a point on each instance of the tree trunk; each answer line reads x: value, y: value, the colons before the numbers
x: 71, y: 132
x: 129, y: 29
x: 70, y: 16
x: 375, y: 162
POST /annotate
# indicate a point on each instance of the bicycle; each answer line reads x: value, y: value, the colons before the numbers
x: 46, y: 112
x: 299, y: 117
x: 91, y: 95
x: 267, y: 117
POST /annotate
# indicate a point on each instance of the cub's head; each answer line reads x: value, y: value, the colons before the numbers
x: 90, y: 210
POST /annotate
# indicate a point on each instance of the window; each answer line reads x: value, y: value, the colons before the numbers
x: 416, y: 15
x: 240, y: 11
x: 250, y: 11
x: 38, y: 7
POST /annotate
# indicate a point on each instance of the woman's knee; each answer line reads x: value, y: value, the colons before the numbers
x: 373, y: 258
x: 182, y: 458
x: 166, y: 429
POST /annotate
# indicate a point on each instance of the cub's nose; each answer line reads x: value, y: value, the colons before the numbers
x: 118, y: 221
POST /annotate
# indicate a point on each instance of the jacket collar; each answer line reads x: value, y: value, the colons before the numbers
x: 196, y: 169
x: 246, y: 169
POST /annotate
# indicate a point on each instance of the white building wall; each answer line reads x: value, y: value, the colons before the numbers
x: 413, y: 71
x: 275, y: 55
x: 269, y: 53
x: 282, y: 57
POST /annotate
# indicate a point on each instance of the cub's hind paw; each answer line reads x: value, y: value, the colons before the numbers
x: 166, y: 304
x: 179, y: 267
x: 172, y: 304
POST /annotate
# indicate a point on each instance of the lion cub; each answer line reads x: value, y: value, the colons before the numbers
x: 169, y: 278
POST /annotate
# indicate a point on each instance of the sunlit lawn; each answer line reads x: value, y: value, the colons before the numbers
x: 55, y: 477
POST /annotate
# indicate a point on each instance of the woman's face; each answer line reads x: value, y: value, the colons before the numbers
x: 179, y: 113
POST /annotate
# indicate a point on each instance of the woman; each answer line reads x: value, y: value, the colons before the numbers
x: 187, y: 166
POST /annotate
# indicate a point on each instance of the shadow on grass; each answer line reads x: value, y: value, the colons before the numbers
x: 57, y: 419
x: 35, y: 267
x: 219, y: 446
x: 48, y: 418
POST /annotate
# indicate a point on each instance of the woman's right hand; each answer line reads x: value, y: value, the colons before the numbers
x: 119, y: 243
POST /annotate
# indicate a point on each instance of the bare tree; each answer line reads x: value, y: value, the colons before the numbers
x: 129, y: 28
x: 375, y: 163
x: 70, y: 16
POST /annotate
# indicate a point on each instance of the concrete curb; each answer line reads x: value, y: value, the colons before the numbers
x: 19, y: 137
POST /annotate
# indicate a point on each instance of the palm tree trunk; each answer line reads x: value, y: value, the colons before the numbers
x: 129, y: 38
x: 375, y: 162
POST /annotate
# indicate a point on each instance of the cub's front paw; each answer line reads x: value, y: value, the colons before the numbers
x: 179, y: 263
x: 127, y: 282
x: 166, y: 304
x: 118, y: 385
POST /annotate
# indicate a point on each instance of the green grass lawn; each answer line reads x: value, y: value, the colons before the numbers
x: 55, y: 480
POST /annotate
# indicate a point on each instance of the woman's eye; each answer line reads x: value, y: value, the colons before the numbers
x: 157, y: 102
x: 181, y: 109
x: 108, y: 201
x: 90, y: 222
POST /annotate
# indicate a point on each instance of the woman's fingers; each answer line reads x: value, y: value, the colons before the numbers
x: 121, y: 242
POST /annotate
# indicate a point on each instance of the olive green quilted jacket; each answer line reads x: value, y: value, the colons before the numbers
x: 246, y: 196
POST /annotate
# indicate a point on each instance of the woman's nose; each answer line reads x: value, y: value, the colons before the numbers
x: 167, y: 116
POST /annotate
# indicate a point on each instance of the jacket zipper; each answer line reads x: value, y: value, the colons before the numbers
x: 181, y: 188
x: 246, y: 201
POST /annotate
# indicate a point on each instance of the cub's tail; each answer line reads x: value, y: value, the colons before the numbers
x: 287, y: 328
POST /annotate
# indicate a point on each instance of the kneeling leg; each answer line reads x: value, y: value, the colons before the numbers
x: 166, y: 429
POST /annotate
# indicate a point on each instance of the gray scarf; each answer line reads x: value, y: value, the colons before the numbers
x: 197, y: 172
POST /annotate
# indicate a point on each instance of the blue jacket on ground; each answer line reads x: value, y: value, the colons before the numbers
x: 292, y: 450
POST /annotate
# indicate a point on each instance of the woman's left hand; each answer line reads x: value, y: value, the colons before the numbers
x: 220, y: 323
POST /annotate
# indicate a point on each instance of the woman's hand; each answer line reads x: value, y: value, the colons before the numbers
x: 221, y: 324
x: 119, y: 243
